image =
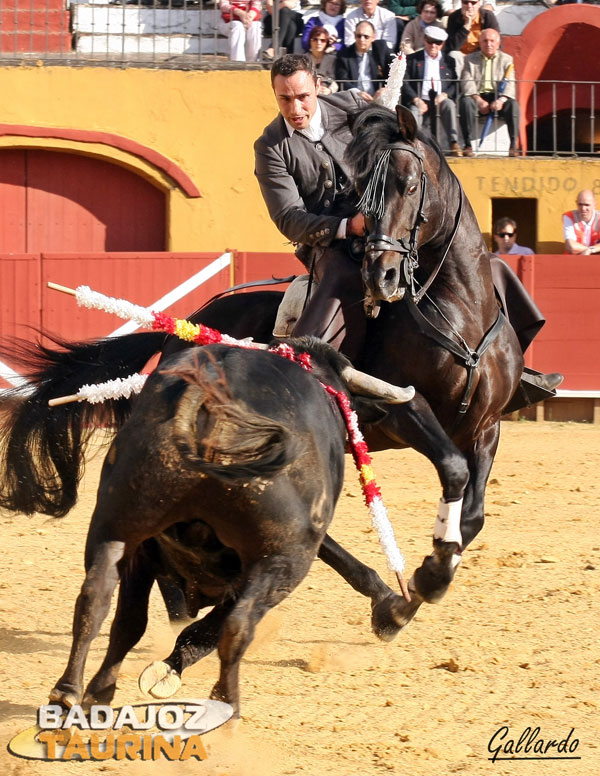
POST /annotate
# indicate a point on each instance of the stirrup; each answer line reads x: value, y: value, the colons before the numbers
x: 529, y: 392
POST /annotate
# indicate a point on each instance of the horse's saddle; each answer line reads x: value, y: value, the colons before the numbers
x: 291, y: 307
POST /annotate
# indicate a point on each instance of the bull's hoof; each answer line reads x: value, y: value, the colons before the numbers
x: 159, y: 680
x: 393, y: 614
x: 64, y: 698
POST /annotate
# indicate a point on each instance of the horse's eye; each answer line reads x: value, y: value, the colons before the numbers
x: 412, y: 189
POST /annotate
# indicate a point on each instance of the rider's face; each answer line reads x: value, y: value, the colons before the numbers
x: 296, y: 96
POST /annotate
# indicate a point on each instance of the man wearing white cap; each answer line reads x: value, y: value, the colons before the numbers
x: 430, y: 71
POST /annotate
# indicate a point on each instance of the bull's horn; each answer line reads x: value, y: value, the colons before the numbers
x: 367, y: 385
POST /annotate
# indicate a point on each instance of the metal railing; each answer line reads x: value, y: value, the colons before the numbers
x: 181, y: 34
x: 561, y: 118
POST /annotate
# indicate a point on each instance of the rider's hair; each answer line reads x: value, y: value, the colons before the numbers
x: 293, y: 63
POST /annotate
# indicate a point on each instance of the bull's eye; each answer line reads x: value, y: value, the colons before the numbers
x: 411, y: 189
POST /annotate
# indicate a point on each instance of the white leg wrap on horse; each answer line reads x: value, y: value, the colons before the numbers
x: 447, y: 525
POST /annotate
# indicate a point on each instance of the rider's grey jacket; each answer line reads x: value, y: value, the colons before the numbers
x: 301, y: 181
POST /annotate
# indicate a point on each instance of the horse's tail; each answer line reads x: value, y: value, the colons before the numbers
x: 42, y: 449
x: 214, y: 434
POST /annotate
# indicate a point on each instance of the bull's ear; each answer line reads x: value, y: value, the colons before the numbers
x: 368, y: 410
x: 407, y: 123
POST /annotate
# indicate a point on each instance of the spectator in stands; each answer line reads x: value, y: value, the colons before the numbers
x: 331, y: 12
x: 240, y: 22
x: 465, y: 26
x: 582, y: 226
x: 431, y: 69
x: 483, y: 73
x: 453, y: 5
x: 383, y: 21
x: 505, y: 236
x: 324, y: 62
x: 291, y: 25
x: 413, y: 36
x: 365, y: 65
x: 402, y: 9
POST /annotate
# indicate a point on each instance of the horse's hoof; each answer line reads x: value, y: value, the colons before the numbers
x: 94, y: 697
x: 65, y: 699
x: 218, y: 694
x: 159, y: 680
x: 393, y: 614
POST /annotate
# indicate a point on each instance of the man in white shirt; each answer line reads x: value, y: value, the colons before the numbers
x: 428, y: 71
x: 581, y: 227
x: 382, y: 20
x: 302, y: 172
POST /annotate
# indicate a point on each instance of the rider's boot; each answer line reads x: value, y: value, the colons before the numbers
x: 533, y: 387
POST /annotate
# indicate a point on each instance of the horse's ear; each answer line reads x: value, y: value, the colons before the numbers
x: 407, y: 123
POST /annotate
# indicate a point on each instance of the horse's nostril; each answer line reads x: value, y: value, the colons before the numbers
x: 390, y: 275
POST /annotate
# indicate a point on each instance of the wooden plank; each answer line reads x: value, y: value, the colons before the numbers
x: 79, y: 203
x: 13, y: 236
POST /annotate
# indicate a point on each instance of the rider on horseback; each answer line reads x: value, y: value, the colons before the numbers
x: 304, y: 177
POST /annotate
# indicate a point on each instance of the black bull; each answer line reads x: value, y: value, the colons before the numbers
x: 224, y: 480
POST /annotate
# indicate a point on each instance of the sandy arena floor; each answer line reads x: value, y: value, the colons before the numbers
x: 514, y: 643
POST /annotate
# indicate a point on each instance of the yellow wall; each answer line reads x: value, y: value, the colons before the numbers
x: 206, y: 123
x: 553, y: 182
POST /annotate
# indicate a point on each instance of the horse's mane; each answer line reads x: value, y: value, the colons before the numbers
x: 374, y: 128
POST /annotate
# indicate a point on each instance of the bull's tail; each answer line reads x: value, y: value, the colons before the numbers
x: 42, y: 449
x: 217, y: 435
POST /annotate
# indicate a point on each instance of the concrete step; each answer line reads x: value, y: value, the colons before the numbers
x: 150, y: 44
x: 126, y: 29
x: 134, y: 20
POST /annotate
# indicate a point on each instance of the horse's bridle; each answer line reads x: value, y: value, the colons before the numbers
x: 372, y: 203
x: 380, y: 241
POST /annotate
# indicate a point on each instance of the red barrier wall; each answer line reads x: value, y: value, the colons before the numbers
x: 566, y: 288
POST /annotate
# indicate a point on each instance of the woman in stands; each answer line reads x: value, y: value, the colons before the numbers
x: 331, y: 13
x: 413, y: 37
x: 322, y: 59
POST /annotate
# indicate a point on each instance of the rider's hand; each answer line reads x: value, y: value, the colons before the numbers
x: 355, y: 226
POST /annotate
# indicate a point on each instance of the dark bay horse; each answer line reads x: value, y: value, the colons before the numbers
x: 439, y: 328
x: 464, y: 374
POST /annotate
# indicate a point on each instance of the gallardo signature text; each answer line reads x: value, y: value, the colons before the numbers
x: 531, y: 745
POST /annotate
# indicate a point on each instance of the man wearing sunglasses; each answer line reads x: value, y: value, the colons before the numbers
x: 365, y: 65
x: 505, y: 236
x: 429, y: 71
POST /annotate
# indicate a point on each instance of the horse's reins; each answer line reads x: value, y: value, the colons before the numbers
x: 372, y: 203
